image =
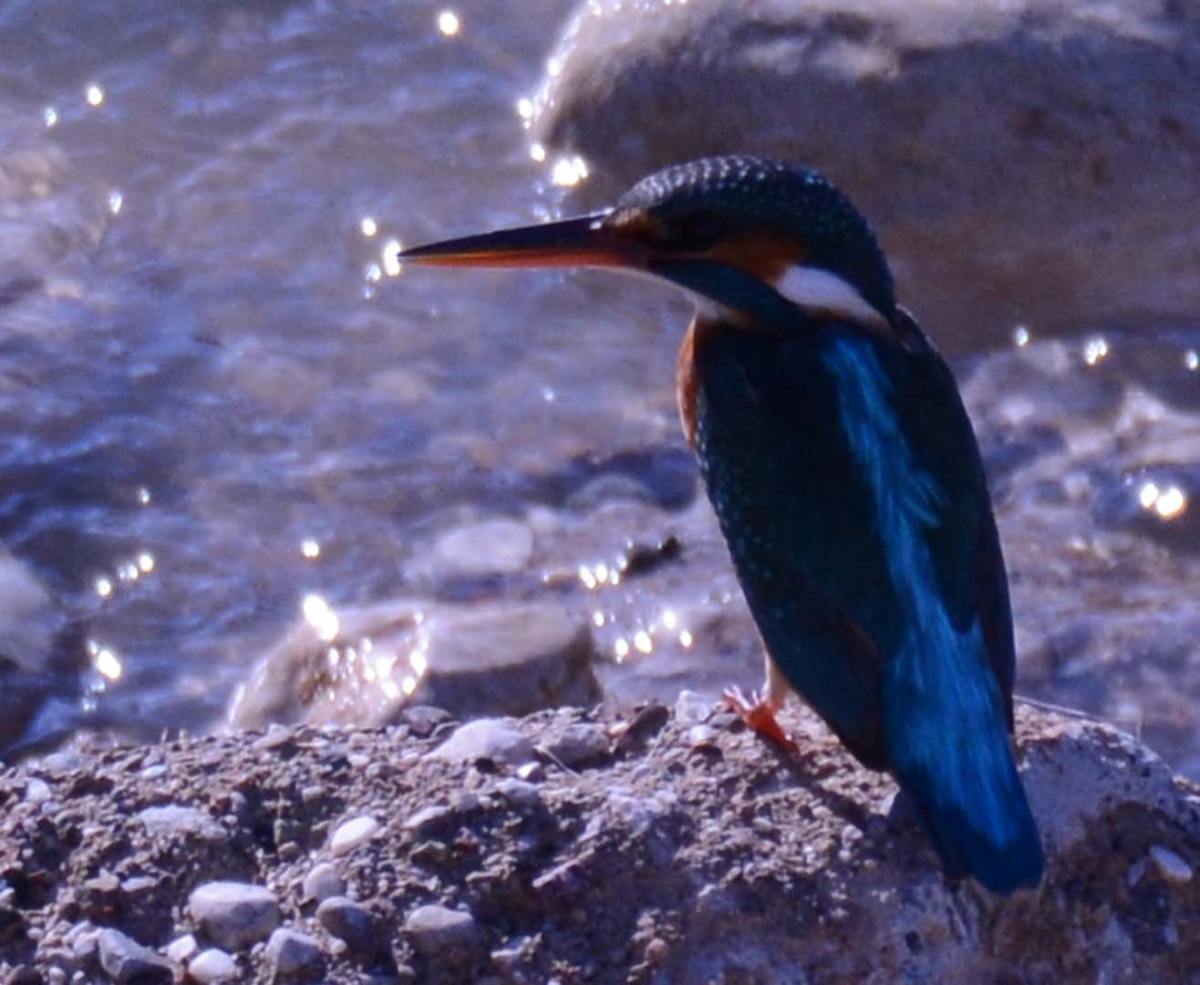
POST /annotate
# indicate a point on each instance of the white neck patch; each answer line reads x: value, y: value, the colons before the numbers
x: 820, y: 290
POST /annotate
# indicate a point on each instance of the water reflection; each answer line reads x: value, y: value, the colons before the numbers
x: 226, y: 386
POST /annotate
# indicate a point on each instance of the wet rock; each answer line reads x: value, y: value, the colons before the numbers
x: 486, y: 738
x: 234, y: 915
x: 353, y: 924
x: 491, y: 547
x: 322, y: 882
x: 353, y: 834
x: 213, y: 965
x: 30, y: 618
x: 503, y: 660
x: 125, y: 960
x: 940, y: 112
x: 293, y: 956
x: 362, y: 666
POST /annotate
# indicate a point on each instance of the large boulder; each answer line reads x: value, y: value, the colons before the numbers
x: 1025, y: 161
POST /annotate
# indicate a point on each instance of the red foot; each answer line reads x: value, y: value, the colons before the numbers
x: 759, y: 714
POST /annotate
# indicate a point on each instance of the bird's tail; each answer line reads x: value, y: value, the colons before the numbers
x: 948, y: 744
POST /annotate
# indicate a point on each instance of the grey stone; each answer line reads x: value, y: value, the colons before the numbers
x: 580, y: 744
x: 125, y: 960
x: 471, y: 660
x: 439, y: 932
x: 183, y: 949
x: 213, y: 965
x: 1171, y: 866
x: 353, y: 834
x: 496, y: 546
x: 293, y: 956
x: 234, y: 915
x: 508, y: 660
x: 351, y: 923
x: 174, y: 820
x: 520, y: 793
x: 486, y: 738
x: 979, y: 138
x: 323, y: 880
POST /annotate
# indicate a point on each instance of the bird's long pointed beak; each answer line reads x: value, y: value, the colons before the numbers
x: 582, y: 242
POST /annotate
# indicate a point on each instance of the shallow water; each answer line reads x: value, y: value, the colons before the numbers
x: 221, y: 396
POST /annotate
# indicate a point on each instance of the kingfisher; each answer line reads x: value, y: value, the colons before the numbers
x: 845, y: 476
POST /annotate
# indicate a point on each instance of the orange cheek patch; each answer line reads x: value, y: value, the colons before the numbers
x: 762, y: 256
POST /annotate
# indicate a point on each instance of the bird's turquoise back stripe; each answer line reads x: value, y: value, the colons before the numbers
x: 935, y: 681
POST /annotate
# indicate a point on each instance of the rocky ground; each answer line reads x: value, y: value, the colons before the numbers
x: 672, y: 846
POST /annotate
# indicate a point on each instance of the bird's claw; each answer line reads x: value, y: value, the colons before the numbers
x: 759, y: 714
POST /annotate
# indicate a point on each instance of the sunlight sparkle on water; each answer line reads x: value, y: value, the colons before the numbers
x: 449, y: 23
x: 642, y: 641
x: 368, y: 226
x: 537, y: 152
x: 115, y: 201
x: 1191, y: 360
x: 104, y: 587
x: 107, y: 664
x: 310, y: 548
x: 94, y: 95
x: 569, y: 171
x: 50, y: 116
x: 319, y: 615
x: 391, y: 258
x: 1020, y: 336
x: 1095, y: 350
x: 525, y: 109
x: 1167, y: 503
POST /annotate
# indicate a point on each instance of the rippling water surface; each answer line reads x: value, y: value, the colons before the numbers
x: 219, y: 394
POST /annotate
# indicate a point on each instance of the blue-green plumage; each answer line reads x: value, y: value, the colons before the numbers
x: 845, y: 474
x: 849, y: 488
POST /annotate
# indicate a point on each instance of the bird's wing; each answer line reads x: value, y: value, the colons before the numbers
x: 802, y: 523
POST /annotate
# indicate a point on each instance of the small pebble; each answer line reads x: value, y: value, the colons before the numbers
x: 23, y: 974
x: 1171, y: 866
x: 352, y: 834
x: 213, y: 965
x: 692, y: 707
x: 183, y: 949
x: 234, y: 915
x: 580, y: 744
x: 423, y: 720
x: 533, y: 772
x: 351, y: 923
x: 486, y: 738
x: 438, y: 931
x: 519, y: 793
x: 322, y: 881
x: 429, y: 820
x: 125, y: 960
x: 291, y: 956
x: 174, y: 820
